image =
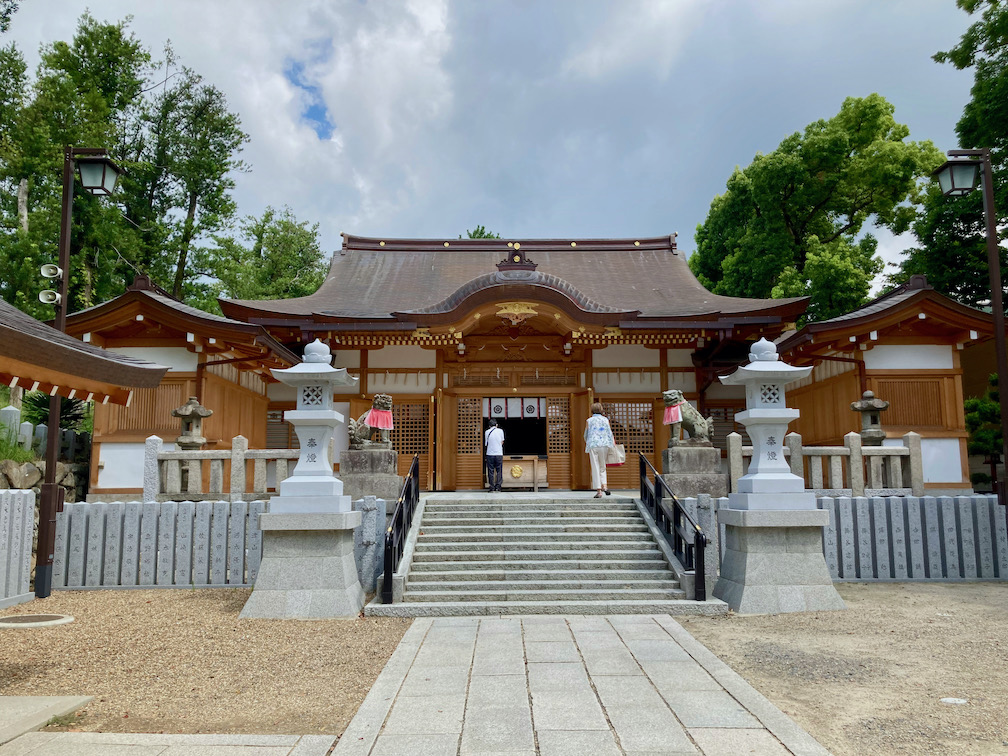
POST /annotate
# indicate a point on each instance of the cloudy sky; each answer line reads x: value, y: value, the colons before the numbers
x: 534, y: 118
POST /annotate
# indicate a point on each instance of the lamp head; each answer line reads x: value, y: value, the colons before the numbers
x: 98, y: 173
x: 958, y: 177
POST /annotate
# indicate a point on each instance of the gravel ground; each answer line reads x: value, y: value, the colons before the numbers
x: 182, y: 661
x: 871, y: 679
x: 866, y: 680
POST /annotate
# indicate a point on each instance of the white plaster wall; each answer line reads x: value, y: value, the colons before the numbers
x: 682, y: 381
x: 621, y: 355
x: 346, y: 358
x: 909, y: 357
x: 680, y: 358
x: 401, y: 383
x: 122, y: 465
x: 627, y: 383
x: 176, y: 359
x: 941, y: 460
x: 402, y: 357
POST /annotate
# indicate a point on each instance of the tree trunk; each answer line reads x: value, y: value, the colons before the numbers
x: 187, y: 232
x: 22, y: 204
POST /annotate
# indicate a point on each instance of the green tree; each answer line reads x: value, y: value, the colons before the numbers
x: 791, y: 221
x: 7, y: 10
x: 951, y: 247
x: 171, y: 130
x: 983, y: 422
x: 481, y: 233
x: 276, y: 256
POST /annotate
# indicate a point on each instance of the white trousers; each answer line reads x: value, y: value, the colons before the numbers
x: 597, y: 456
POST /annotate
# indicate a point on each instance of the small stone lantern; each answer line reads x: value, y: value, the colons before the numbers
x: 191, y: 414
x: 871, y: 424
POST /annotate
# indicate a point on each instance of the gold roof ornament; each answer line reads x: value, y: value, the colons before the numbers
x: 516, y: 312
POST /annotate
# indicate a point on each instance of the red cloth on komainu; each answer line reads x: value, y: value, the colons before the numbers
x: 376, y: 418
x: 672, y: 415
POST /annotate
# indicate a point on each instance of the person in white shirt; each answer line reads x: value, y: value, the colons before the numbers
x: 494, y: 440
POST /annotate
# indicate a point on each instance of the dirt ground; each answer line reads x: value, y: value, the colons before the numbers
x: 182, y: 661
x: 871, y: 679
x: 866, y: 680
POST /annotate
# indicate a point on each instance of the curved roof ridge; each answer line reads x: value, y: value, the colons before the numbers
x: 503, y: 278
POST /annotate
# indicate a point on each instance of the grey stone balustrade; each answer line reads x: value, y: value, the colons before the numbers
x: 163, y: 471
x: 848, y: 470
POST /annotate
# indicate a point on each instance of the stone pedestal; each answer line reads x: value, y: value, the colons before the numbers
x: 773, y: 562
x: 308, y: 569
x: 693, y: 470
x: 371, y: 472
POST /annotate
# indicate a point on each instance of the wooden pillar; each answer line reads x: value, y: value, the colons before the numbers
x: 663, y: 368
x: 363, y: 383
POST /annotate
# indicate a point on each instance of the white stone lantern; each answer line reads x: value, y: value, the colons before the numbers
x: 773, y: 549
x: 312, y: 486
x: 769, y: 483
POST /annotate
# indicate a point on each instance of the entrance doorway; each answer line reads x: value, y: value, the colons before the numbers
x: 523, y: 420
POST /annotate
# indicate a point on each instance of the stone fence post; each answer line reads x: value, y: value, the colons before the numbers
x: 735, y: 471
x: 855, y: 463
x: 239, y: 446
x: 152, y: 468
x: 915, y: 472
x: 795, y: 457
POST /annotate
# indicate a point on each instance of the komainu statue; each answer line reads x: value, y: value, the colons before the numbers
x: 679, y: 412
x: 378, y: 418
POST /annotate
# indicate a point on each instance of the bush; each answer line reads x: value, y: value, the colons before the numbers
x: 9, y: 449
x: 35, y: 410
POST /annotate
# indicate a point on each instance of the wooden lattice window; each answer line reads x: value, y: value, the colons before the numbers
x: 470, y: 425
x: 411, y: 427
x: 557, y: 425
x: 632, y: 425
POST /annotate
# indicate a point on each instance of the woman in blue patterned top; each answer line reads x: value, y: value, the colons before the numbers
x: 598, y: 440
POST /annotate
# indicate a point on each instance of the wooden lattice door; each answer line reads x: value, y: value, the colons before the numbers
x: 469, y: 443
x: 632, y: 424
x: 411, y: 434
x: 558, y: 441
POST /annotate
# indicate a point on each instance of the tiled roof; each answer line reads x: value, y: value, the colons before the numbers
x: 373, y: 278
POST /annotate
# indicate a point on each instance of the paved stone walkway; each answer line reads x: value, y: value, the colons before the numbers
x: 559, y: 686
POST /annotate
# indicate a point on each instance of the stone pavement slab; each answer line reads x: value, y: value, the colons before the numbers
x: 21, y: 714
x: 554, y: 686
x: 128, y: 744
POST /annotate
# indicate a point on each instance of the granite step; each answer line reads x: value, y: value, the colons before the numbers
x: 507, y: 526
x: 675, y: 607
x: 503, y: 535
x: 518, y: 546
x: 466, y: 586
x: 601, y: 506
x: 580, y: 555
x: 601, y: 594
x: 483, y: 574
x: 616, y: 564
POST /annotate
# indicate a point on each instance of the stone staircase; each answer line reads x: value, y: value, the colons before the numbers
x: 536, y: 554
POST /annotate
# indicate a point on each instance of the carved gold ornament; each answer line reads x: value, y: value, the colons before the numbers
x: 516, y: 471
x: 516, y: 312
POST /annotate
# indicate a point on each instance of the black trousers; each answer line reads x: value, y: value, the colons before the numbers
x: 495, y: 471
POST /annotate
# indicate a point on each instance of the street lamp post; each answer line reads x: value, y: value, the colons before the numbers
x: 958, y: 177
x: 98, y: 175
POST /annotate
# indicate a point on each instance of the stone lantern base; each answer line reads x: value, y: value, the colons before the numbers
x: 773, y: 562
x: 308, y: 569
x: 371, y: 472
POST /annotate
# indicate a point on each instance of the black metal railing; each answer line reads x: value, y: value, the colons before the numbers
x: 683, y: 535
x: 399, y: 526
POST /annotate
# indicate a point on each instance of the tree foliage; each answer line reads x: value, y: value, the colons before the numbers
x: 951, y: 247
x: 790, y: 223
x: 173, y: 133
x: 983, y: 422
x: 276, y: 256
x: 481, y: 233
x: 7, y: 10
